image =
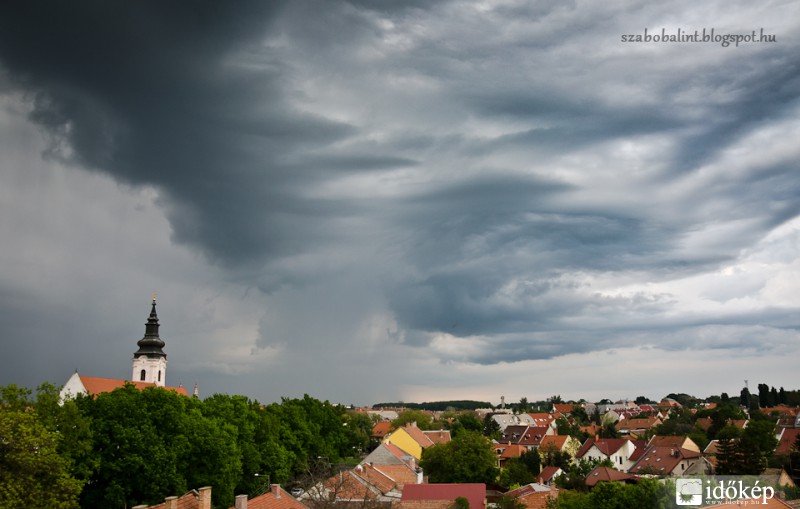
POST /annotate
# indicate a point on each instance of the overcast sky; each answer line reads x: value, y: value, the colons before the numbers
x: 375, y: 201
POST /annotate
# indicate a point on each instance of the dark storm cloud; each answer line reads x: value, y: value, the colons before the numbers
x: 149, y: 92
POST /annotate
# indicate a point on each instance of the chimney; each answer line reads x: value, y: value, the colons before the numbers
x: 204, y: 501
x: 171, y: 503
x: 276, y: 490
x: 240, y: 502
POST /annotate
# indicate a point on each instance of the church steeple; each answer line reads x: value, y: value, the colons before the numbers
x: 151, y: 344
x: 150, y: 361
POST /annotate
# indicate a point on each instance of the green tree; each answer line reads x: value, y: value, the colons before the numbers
x: 153, y: 443
x: 491, y: 429
x: 728, y: 459
x: 32, y: 473
x: 422, y: 419
x: 468, y: 458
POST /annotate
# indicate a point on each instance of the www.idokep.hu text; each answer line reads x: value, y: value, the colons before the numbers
x: 704, y: 35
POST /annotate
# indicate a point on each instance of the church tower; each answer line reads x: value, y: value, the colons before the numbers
x: 150, y: 361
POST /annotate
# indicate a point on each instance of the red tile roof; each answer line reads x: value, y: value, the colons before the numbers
x: 554, y: 441
x: 418, y: 436
x: 400, y: 474
x: 605, y: 474
x: 475, y: 493
x: 547, y: 474
x: 276, y: 498
x: 441, y: 436
x: 787, y: 441
x: 190, y: 500
x: 381, y: 429
x: 662, y: 459
x: 564, y: 408
x: 513, y: 451
x: 96, y: 385
x: 607, y: 446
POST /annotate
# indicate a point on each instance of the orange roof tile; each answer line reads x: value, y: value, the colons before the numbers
x: 401, y: 474
x: 441, y: 436
x: 557, y: 441
x: 96, y: 385
x: 381, y: 429
x: 276, y: 498
x: 787, y: 441
x: 474, y: 493
x: 605, y: 474
x: 547, y: 474
x: 418, y: 436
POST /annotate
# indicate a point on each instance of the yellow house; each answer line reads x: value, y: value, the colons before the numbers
x: 410, y: 439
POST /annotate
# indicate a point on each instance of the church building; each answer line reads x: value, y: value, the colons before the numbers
x: 149, y: 367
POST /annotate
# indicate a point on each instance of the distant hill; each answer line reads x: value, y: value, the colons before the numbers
x: 437, y: 406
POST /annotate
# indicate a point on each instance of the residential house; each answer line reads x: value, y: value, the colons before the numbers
x: 710, y: 454
x: 563, y: 408
x: 592, y: 429
x: 621, y: 451
x: 787, y: 439
x: 505, y: 420
x: 438, y: 436
x: 528, y: 436
x: 384, y: 414
x: 275, y: 498
x: 672, y: 456
x: 705, y: 422
x: 362, y: 486
x: 548, y: 475
x: 562, y: 443
x: 637, y: 427
x: 606, y: 474
x: 506, y: 452
x: 534, y: 495
x: 543, y: 419
x: 194, y: 499
x: 442, y: 496
x: 411, y: 439
x: 395, y: 463
x: 381, y: 429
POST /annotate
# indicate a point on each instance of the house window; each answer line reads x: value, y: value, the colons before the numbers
x: 159, y: 375
x: 142, y: 375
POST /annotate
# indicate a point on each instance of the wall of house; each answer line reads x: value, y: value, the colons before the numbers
x: 72, y: 388
x: 538, y: 500
x: 426, y: 504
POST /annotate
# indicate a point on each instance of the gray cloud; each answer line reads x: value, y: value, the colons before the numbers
x: 370, y: 175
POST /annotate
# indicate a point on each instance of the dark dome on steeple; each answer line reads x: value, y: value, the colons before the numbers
x: 151, y: 345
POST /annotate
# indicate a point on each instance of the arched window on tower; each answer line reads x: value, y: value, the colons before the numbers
x: 159, y: 375
x: 142, y: 375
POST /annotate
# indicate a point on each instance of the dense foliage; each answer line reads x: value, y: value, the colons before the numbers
x: 646, y: 494
x: 130, y: 447
x: 467, y: 458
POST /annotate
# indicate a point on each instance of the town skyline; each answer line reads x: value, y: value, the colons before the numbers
x: 364, y: 201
